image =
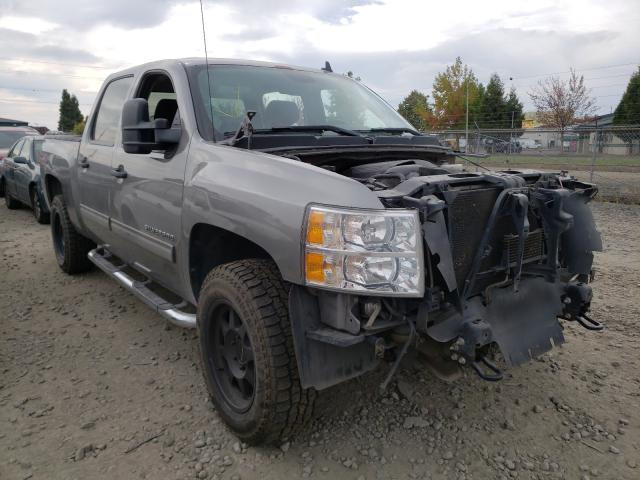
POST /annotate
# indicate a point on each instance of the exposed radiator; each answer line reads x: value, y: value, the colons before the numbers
x: 468, y: 216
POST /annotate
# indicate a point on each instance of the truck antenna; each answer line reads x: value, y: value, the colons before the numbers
x: 206, y: 59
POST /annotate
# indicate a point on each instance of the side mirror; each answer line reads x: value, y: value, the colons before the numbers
x: 140, y: 135
x: 20, y: 160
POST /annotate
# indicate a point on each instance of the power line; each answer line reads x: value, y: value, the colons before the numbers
x: 35, y: 102
x: 27, y: 89
x: 49, y: 74
x: 576, y: 70
x: 46, y: 62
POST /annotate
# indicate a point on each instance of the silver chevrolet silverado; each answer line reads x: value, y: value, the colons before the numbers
x: 310, y: 233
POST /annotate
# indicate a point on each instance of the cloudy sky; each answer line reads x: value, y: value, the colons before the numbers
x: 394, y: 45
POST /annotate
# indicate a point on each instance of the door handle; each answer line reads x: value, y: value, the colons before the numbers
x: 119, y: 172
x: 84, y: 162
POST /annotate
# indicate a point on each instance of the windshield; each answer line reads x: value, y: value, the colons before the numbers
x: 283, y: 97
x: 9, y: 137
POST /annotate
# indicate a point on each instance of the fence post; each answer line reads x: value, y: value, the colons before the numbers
x: 596, y: 142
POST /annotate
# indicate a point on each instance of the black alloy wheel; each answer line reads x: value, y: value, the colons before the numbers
x: 232, y: 364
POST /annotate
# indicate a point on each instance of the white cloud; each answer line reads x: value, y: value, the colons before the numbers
x: 32, y: 25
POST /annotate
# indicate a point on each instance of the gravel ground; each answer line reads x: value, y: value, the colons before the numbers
x: 94, y: 385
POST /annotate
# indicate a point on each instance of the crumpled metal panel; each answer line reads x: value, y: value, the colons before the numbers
x: 524, y: 322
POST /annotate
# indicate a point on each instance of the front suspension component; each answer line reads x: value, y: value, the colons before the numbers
x: 494, y: 374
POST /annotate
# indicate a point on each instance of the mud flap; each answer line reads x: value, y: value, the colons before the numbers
x: 580, y: 241
x: 524, y: 322
x: 325, y: 360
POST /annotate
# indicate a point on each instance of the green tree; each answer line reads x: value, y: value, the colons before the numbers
x: 78, y: 128
x: 450, y: 90
x: 494, y: 114
x: 416, y: 110
x: 628, y: 110
x: 70, y: 113
x: 514, y: 109
x: 476, y: 107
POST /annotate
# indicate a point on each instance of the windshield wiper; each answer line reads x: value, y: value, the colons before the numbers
x: 394, y: 130
x: 308, y: 128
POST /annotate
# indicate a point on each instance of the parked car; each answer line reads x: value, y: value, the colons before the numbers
x: 8, y: 137
x: 20, y: 177
x: 530, y: 143
x: 310, y: 233
x: 508, y: 146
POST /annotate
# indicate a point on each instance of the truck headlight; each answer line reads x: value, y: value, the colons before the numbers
x: 366, y: 251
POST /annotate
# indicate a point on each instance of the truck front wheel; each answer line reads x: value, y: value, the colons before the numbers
x: 70, y: 247
x: 247, y: 352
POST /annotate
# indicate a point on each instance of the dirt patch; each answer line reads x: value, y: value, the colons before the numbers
x: 94, y: 385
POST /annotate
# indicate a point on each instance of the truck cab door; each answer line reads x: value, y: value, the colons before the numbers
x: 22, y: 173
x: 10, y: 167
x: 93, y: 167
x: 146, y: 203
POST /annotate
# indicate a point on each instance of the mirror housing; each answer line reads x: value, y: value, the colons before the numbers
x: 141, y: 135
x: 20, y: 160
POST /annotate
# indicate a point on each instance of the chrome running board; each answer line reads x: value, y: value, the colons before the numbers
x: 100, y: 257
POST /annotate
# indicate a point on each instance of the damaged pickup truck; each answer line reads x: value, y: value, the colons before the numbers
x: 310, y: 233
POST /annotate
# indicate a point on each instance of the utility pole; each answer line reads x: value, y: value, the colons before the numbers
x: 511, y: 133
x: 595, y: 146
x: 466, y: 134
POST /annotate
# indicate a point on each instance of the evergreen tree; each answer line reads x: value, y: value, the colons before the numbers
x: 415, y: 110
x: 476, y: 108
x: 514, y: 109
x: 70, y: 113
x: 628, y: 110
x: 494, y: 114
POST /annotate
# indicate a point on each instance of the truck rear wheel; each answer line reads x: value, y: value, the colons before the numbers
x: 247, y: 352
x: 70, y: 247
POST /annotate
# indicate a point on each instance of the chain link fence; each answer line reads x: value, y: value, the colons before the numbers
x: 606, y: 155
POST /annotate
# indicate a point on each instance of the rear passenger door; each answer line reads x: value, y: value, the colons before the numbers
x: 93, y: 169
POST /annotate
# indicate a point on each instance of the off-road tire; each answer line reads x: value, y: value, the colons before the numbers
x: 1, y: 187
x: 257, y: 293
x: 36, y: 205
x: 70, y: 247
x: 12, y: 203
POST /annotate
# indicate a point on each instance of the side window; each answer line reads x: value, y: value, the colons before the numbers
x: 158, y: 90
x: 37, y: 151
x: 15, y: 151
x: 26, y: 149
x: 107, y: 121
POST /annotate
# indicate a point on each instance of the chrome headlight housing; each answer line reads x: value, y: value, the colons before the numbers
x: 377, y: 252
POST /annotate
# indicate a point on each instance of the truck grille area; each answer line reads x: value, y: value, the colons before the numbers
x: 468, y: 216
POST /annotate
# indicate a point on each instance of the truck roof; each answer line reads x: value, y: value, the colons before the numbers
x: 191, y: 61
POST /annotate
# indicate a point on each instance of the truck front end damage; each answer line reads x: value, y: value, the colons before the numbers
x: 504, y: 255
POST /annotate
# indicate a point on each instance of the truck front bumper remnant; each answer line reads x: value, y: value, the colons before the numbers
x: 502, y: 271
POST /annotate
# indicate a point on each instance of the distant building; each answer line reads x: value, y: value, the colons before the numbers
x: 7, y: 122
x: 42, y: 130
x: 530, y: 120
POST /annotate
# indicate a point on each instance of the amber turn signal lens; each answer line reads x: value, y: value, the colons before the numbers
x: 314, y: 267
x: 315, y: 227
